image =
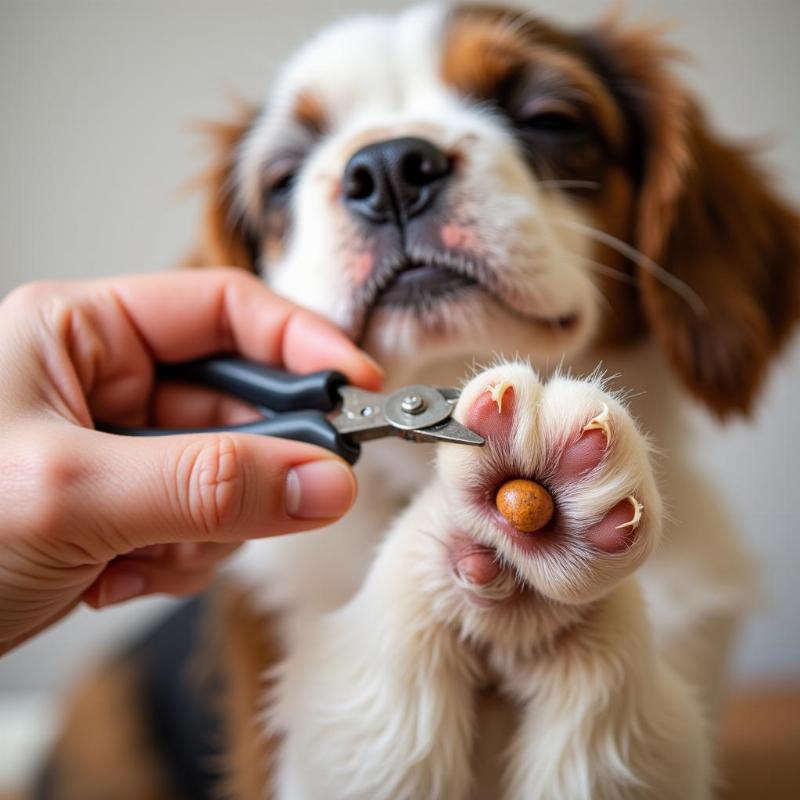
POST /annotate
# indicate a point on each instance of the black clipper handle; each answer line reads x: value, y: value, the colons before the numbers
x: 296, y: 401
x: 311, y: 427
x: 260, y: 385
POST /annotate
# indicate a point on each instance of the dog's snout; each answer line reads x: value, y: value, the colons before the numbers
x: 394, y: 180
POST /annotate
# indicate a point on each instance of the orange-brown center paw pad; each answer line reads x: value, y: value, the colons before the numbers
x: 526, y: 505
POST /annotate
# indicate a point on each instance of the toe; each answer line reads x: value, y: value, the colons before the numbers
x: 582, y: 456
x: 617, y: 529
x: 491, y: 415
x: 479, y: 566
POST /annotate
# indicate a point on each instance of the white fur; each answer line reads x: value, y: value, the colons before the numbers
x: 382, y: 693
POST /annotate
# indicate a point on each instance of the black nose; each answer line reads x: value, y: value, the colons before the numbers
x: 394, y: 180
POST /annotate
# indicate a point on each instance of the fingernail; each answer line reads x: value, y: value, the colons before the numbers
x: 121, y: 585
x: 319, y: 490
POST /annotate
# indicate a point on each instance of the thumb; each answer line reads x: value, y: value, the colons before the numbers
x: 213, y: 487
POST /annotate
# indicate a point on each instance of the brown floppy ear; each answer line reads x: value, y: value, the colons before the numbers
x: 223, y: 238
x: 708, y: 215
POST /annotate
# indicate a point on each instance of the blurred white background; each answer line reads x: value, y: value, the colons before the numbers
x: 97, y: 101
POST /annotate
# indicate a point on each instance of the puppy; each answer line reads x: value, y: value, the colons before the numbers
x: 446, y: 186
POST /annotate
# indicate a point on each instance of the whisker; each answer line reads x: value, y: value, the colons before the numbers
x: 682, y: 289
x: 605, y: 269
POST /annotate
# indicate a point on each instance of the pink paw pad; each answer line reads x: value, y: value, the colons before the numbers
x: 492, y: 413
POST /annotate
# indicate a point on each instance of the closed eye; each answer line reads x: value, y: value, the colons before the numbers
x: 280, y: 176
x: 553, y: 118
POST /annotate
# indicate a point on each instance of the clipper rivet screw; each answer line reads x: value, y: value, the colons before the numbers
x: 412, y: 404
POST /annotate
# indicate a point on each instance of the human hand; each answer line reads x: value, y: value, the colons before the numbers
x: 103, y: 518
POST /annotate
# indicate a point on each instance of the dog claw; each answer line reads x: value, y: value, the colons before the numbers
x: 498, y: 391
x: 602, y: 422
x: 638, y: 508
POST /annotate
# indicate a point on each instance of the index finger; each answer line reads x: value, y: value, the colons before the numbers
x: 192, y: 313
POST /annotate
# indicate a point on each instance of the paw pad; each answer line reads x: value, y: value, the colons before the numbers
x: 586, y: 530
x: 526, y: 505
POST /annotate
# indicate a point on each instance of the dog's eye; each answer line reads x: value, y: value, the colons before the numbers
x: 553, y: 118
x: 279, y: 178
x: 554, y: 122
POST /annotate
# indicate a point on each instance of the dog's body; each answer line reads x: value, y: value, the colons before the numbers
x: 452, y: 186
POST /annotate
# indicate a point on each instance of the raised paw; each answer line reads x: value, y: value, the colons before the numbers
x: 581, y: 445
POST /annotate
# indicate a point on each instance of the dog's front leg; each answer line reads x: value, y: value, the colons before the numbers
x: 376, y: 700
x: 605, y: 718
x: 557, y: 614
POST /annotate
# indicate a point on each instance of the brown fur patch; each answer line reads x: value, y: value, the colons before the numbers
x: 760, y: 745
x: 106, y: 749
x: 309, y: 112
x: 245, y: 645
x: 481, y: 49
x: 696, y: 205
x: 738, y: 247
x: 612, y: 210
x: 487, y: 45
x: 709, y: 216
x: 223, y: 240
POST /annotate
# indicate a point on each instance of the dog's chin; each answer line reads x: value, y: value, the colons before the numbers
x: 421, y: 285
x: 428, y: 312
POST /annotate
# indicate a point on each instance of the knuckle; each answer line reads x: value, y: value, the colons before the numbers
x: 50, y: 474
x: 211, y: 484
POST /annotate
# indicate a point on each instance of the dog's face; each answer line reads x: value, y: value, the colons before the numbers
x: 417, y: 218
x: 452, y: 184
